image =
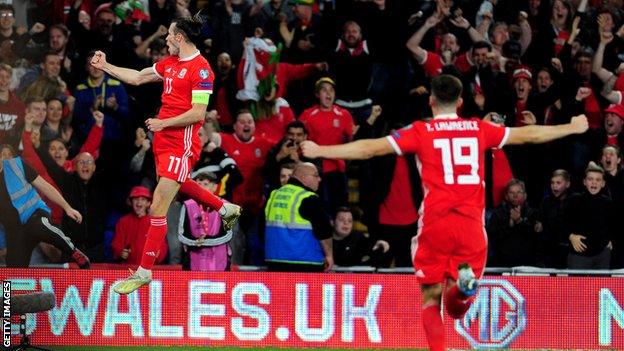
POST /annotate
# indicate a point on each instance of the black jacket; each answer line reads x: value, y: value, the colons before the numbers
x: 592, y: 216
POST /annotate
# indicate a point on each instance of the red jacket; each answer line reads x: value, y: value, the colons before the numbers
x: 131, y: 232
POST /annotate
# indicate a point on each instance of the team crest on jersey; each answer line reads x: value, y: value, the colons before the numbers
x: 203, y: 74
x: 258, y: 153
x: 336, y: 123
x: 182, y: 73
x: 168, y: 70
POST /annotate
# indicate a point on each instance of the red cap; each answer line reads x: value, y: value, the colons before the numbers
x: 616, y: 109
x: 522, y: 72
x: 140, y: 191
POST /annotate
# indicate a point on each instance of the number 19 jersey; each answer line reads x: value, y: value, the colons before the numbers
x: 449, y: 153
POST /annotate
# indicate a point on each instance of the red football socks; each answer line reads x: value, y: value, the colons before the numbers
x: 457, y: 304
x: 434, y: 327
x: 155, y: 236
x: 196, y: 192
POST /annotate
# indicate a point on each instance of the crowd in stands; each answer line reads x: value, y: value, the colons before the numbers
x: 328, y: 71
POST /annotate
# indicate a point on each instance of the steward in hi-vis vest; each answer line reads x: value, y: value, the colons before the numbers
x: 298, y: 232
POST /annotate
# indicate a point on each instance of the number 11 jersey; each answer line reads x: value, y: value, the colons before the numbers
x: 449, y: 153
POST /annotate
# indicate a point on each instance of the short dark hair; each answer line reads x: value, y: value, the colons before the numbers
x: 241, y: 112
x: 7, y: 7
x: 288, y: 165
x: 344, y: 209
x: 61, y: 28
x: 446, y: 89
x: 190, y: 27
x: 482, y: 44
x: 296, y: 124
x: 561, y: 173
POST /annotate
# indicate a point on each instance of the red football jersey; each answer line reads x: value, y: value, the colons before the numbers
x: 185, y: 81
x: 433, y: 64
x: 274, y: 127
x: 450, y: 157
x: 249, y: 157
x: 329, y: 128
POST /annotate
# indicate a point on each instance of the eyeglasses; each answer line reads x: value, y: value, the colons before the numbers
x: 85, y: 162
x: 5, y: 15
x: 314, y: 175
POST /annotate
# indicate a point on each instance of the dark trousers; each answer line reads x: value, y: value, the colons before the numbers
x: 598, y: 261
x: 22, y: 239
x: 334, y: 191
x: 400, y: 239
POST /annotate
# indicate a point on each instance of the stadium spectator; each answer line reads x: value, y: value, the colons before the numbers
x: 352, y: 248
x: 591, y: 223
x: 54, y: 127
x: 225, y: 103
x: 611, y: 162
x: 553, y: 237
x: 204, y: 239
x: 100, y: 92
x: 352, y: 67
x: 8, y: 34
x: 514, y: 229
x: 298, y: 234
x: 285, y: 151
x: 249, y: 151
x: 11, y: 108
x: 131, y: 230
x: 329, y: 124
x: 25, y: 217
x: 397, y: 185
x: 285, y: 172
x: 214, y: 159
x: 270, y: 16
x: 44, y: 81
x: 306, y: 37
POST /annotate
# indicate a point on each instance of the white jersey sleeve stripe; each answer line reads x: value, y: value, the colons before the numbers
x: 505, y: 137
x: 156, y: 72
x: 394, y: 145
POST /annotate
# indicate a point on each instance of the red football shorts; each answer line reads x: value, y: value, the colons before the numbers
x: 440, y: 247
x: 176, y: 152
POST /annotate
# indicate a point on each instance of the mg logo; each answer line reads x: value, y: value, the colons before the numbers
x: 496, y: 317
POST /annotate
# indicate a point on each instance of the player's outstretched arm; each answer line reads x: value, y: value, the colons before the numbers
x: 357, y: 150
x: 535, y: 134
x: 126, y: 75
x: 192, y: 116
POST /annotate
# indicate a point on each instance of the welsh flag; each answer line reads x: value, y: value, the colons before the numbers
x: 132, y: 11
x: 259, y: 64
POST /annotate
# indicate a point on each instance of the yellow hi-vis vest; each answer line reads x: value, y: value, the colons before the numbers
x: 289, y: 237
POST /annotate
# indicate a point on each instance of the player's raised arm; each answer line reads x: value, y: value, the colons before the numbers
x: 357, y: 150
x: 535, y: 134
x: 126, y: 75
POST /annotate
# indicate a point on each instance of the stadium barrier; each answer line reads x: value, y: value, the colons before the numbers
x: 250, y: 309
